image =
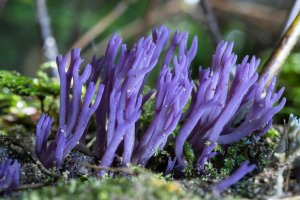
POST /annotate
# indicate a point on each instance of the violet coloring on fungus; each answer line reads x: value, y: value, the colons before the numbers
x: 9, y: 175
x: 225, y: 104
x: 244, y: 169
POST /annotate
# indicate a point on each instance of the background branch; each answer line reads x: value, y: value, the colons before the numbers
x: 49, y: 44
x: 261, y: 15
x: 211, y: 21
x: 31, y: 186
x: 138, y: 26
x: 293, y: 13
x: 282, y: 50
x: 2, y: 5
x: 102, y: 25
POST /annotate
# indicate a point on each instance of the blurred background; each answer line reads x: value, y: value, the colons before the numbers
x: 32, y: 32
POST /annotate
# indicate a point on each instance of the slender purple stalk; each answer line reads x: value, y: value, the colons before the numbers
x: 260, y: 114
x: 127, y: 77
x: 244, y: 169
x: 173, y: 90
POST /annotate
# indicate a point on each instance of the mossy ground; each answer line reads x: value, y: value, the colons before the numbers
x: 77, y: 180
x: 146, y: 186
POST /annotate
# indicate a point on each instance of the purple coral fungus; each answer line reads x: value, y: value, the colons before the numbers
x: 74, y: 114
x: 244, y: 169
x: 223, y: 107
x: 217, y: 102
x: 9, y: 175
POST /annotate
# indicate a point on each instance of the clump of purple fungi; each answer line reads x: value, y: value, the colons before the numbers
x: 226, y: 103
x: 74, y: 113
x: 9, y: 175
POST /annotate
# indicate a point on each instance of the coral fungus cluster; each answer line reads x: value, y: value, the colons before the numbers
x: 227, y: 102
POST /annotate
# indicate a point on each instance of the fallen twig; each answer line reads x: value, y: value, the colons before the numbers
x: 283, y: 49
x: 49, y: 44
x: 127, y: 170
x: 259, y: 14
x: 31, y: 186
x: 287, y: 179
x: 293, y: 13
x: 211, y: 21
x: 102, y: 25
x: 2, y: 5
x: 136, y: 27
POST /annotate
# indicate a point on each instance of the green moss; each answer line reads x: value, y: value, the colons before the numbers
x: 146, y: 186
x: 188, y: 152
x: 148, y: 110
x: 190, y: 158
x: 79, y: 189
x: 272, y: 134
x: 235, y: 156
x: 8, y: 101
x: 187, y: 105
x: 24, y: 86
x: 211, y: 171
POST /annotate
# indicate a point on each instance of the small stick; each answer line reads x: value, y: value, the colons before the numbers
x: 293, y: 13
x: 287, y: 179
x: 31, y: 186
x: 2, y: 5
x: 150, y: 14
x: 102, y: 25
x: 283, y: 49
x: 279, y: 184
x: 49, y: 42
x: 112, y: 169
x: 260, y: 15
x: 137, y: 26
x: 211, y: 21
